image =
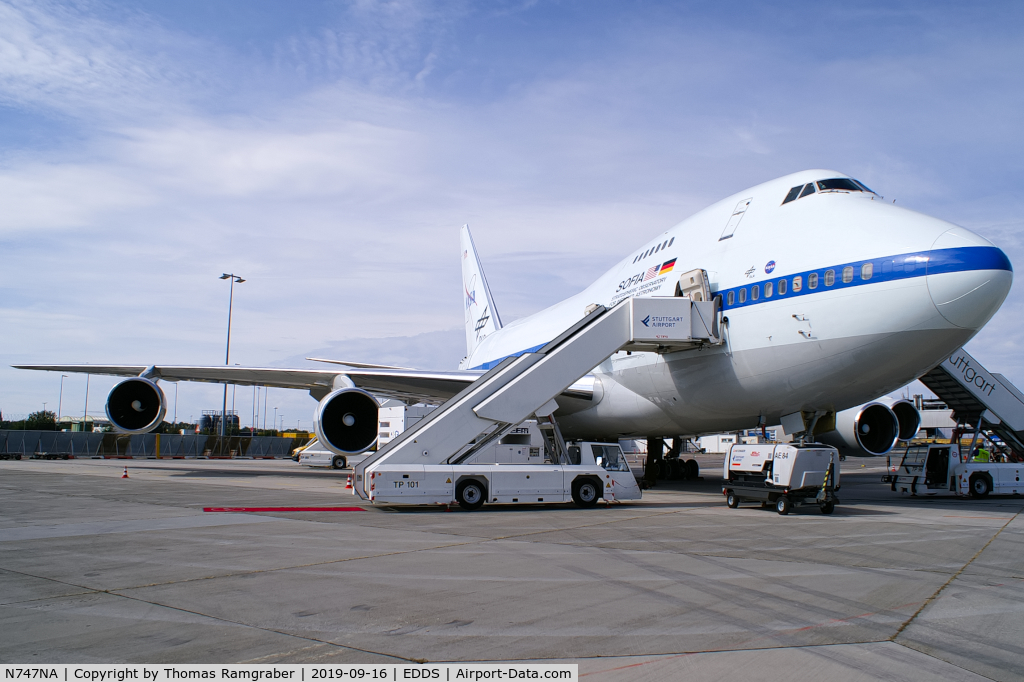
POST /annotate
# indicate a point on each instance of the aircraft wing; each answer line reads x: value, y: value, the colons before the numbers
x: 416, y: 385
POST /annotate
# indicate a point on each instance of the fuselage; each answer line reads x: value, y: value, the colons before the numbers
x: 829, y: 300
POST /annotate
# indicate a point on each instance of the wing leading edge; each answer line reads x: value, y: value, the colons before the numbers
x: 407, y: 385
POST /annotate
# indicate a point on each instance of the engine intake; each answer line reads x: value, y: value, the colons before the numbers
x: 906, y: 414
x: 345, y: 421
x: 136, y: 406
x: 869, y: 430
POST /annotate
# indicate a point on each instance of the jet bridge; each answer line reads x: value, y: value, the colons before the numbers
x: 525, y: 386
x: 986, y: 401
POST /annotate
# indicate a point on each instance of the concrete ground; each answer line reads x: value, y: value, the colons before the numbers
x: 95, y: 568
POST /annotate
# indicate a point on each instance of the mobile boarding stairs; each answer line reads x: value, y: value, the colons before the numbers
x: 526, y: 386
x: 985, y: 401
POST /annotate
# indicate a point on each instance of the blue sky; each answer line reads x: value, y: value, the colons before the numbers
x: 329, y: 151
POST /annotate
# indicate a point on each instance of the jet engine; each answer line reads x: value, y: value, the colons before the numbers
x: 345, y: 421
x: 868, y: 430
x: 136, y: 406
x: 906, y: 414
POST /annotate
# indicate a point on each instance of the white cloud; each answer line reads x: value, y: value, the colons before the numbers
x: 61, y: 58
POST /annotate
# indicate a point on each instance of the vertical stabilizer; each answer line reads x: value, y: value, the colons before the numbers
x: 481, y: 315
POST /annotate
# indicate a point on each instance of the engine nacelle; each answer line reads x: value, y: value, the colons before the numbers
x: 868, y: 430
x: 345, y: 421
x: 906, y: 414
x: 136, y: 406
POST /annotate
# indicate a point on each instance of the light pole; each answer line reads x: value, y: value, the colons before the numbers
x: 60, y: 397
x: 227, y: 352
x: 85, y: 412
x: 275, y: 419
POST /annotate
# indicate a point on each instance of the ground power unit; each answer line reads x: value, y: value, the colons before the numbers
x: 783, y: 475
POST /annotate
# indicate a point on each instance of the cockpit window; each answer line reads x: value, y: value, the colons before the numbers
x: 793, y: 194
x: 831, y: 185
x: 840, y: 184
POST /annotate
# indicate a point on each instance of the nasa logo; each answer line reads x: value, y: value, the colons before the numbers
x: 768, y: 268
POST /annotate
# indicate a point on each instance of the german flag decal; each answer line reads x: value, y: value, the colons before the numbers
x: 667, y: 267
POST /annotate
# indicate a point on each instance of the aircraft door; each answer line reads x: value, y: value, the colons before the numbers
x: 694, y: 286
x: 735, y: 218
x: 936, y: 469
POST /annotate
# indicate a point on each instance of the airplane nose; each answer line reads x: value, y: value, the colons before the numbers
x: 968, y: 278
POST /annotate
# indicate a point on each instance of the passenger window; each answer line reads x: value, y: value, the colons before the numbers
x: 755, y: 292
x: 743, y: 295
x: 793, y: 194
x: 812, y: 280
x: 867, y: 270
x: 886, y: 267
x: 730, y: 298
x: 671, y: 240
x: 909, y: 265
x: 768, y: 289
x: 847, y: 274
x: 809, y: 189
x: 798, y: 283
x: 830, y: 277
x: 782, y: 287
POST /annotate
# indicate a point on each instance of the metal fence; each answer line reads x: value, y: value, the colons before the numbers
x: 85, y: 444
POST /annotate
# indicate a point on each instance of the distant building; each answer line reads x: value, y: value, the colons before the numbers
x: 87, y: 423
x: 210, y: 421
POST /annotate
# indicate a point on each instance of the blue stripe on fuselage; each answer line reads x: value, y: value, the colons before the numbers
x: 888, y: 269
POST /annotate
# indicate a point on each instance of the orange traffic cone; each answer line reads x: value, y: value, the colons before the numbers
x: 125, y: 474
x: 348, y: 483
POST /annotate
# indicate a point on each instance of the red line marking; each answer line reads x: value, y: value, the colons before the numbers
x: 282, y: 509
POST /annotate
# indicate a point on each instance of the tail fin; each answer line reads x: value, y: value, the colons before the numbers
x: 481, y: 315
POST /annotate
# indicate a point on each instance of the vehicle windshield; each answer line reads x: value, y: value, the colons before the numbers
x: 610, y: 457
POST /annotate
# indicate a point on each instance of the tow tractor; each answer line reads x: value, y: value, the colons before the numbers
x: 511, y: 474
x: 784, y: 475
x: 937, y: 468
x: 315, y: 455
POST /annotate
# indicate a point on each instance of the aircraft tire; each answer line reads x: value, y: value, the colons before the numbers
x: 692, y: 469
x: 470, y: 495
x: 338, y: 462
x: 783, y: 505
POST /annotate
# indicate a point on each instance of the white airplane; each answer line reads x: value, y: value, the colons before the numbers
x: 828, y: 297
